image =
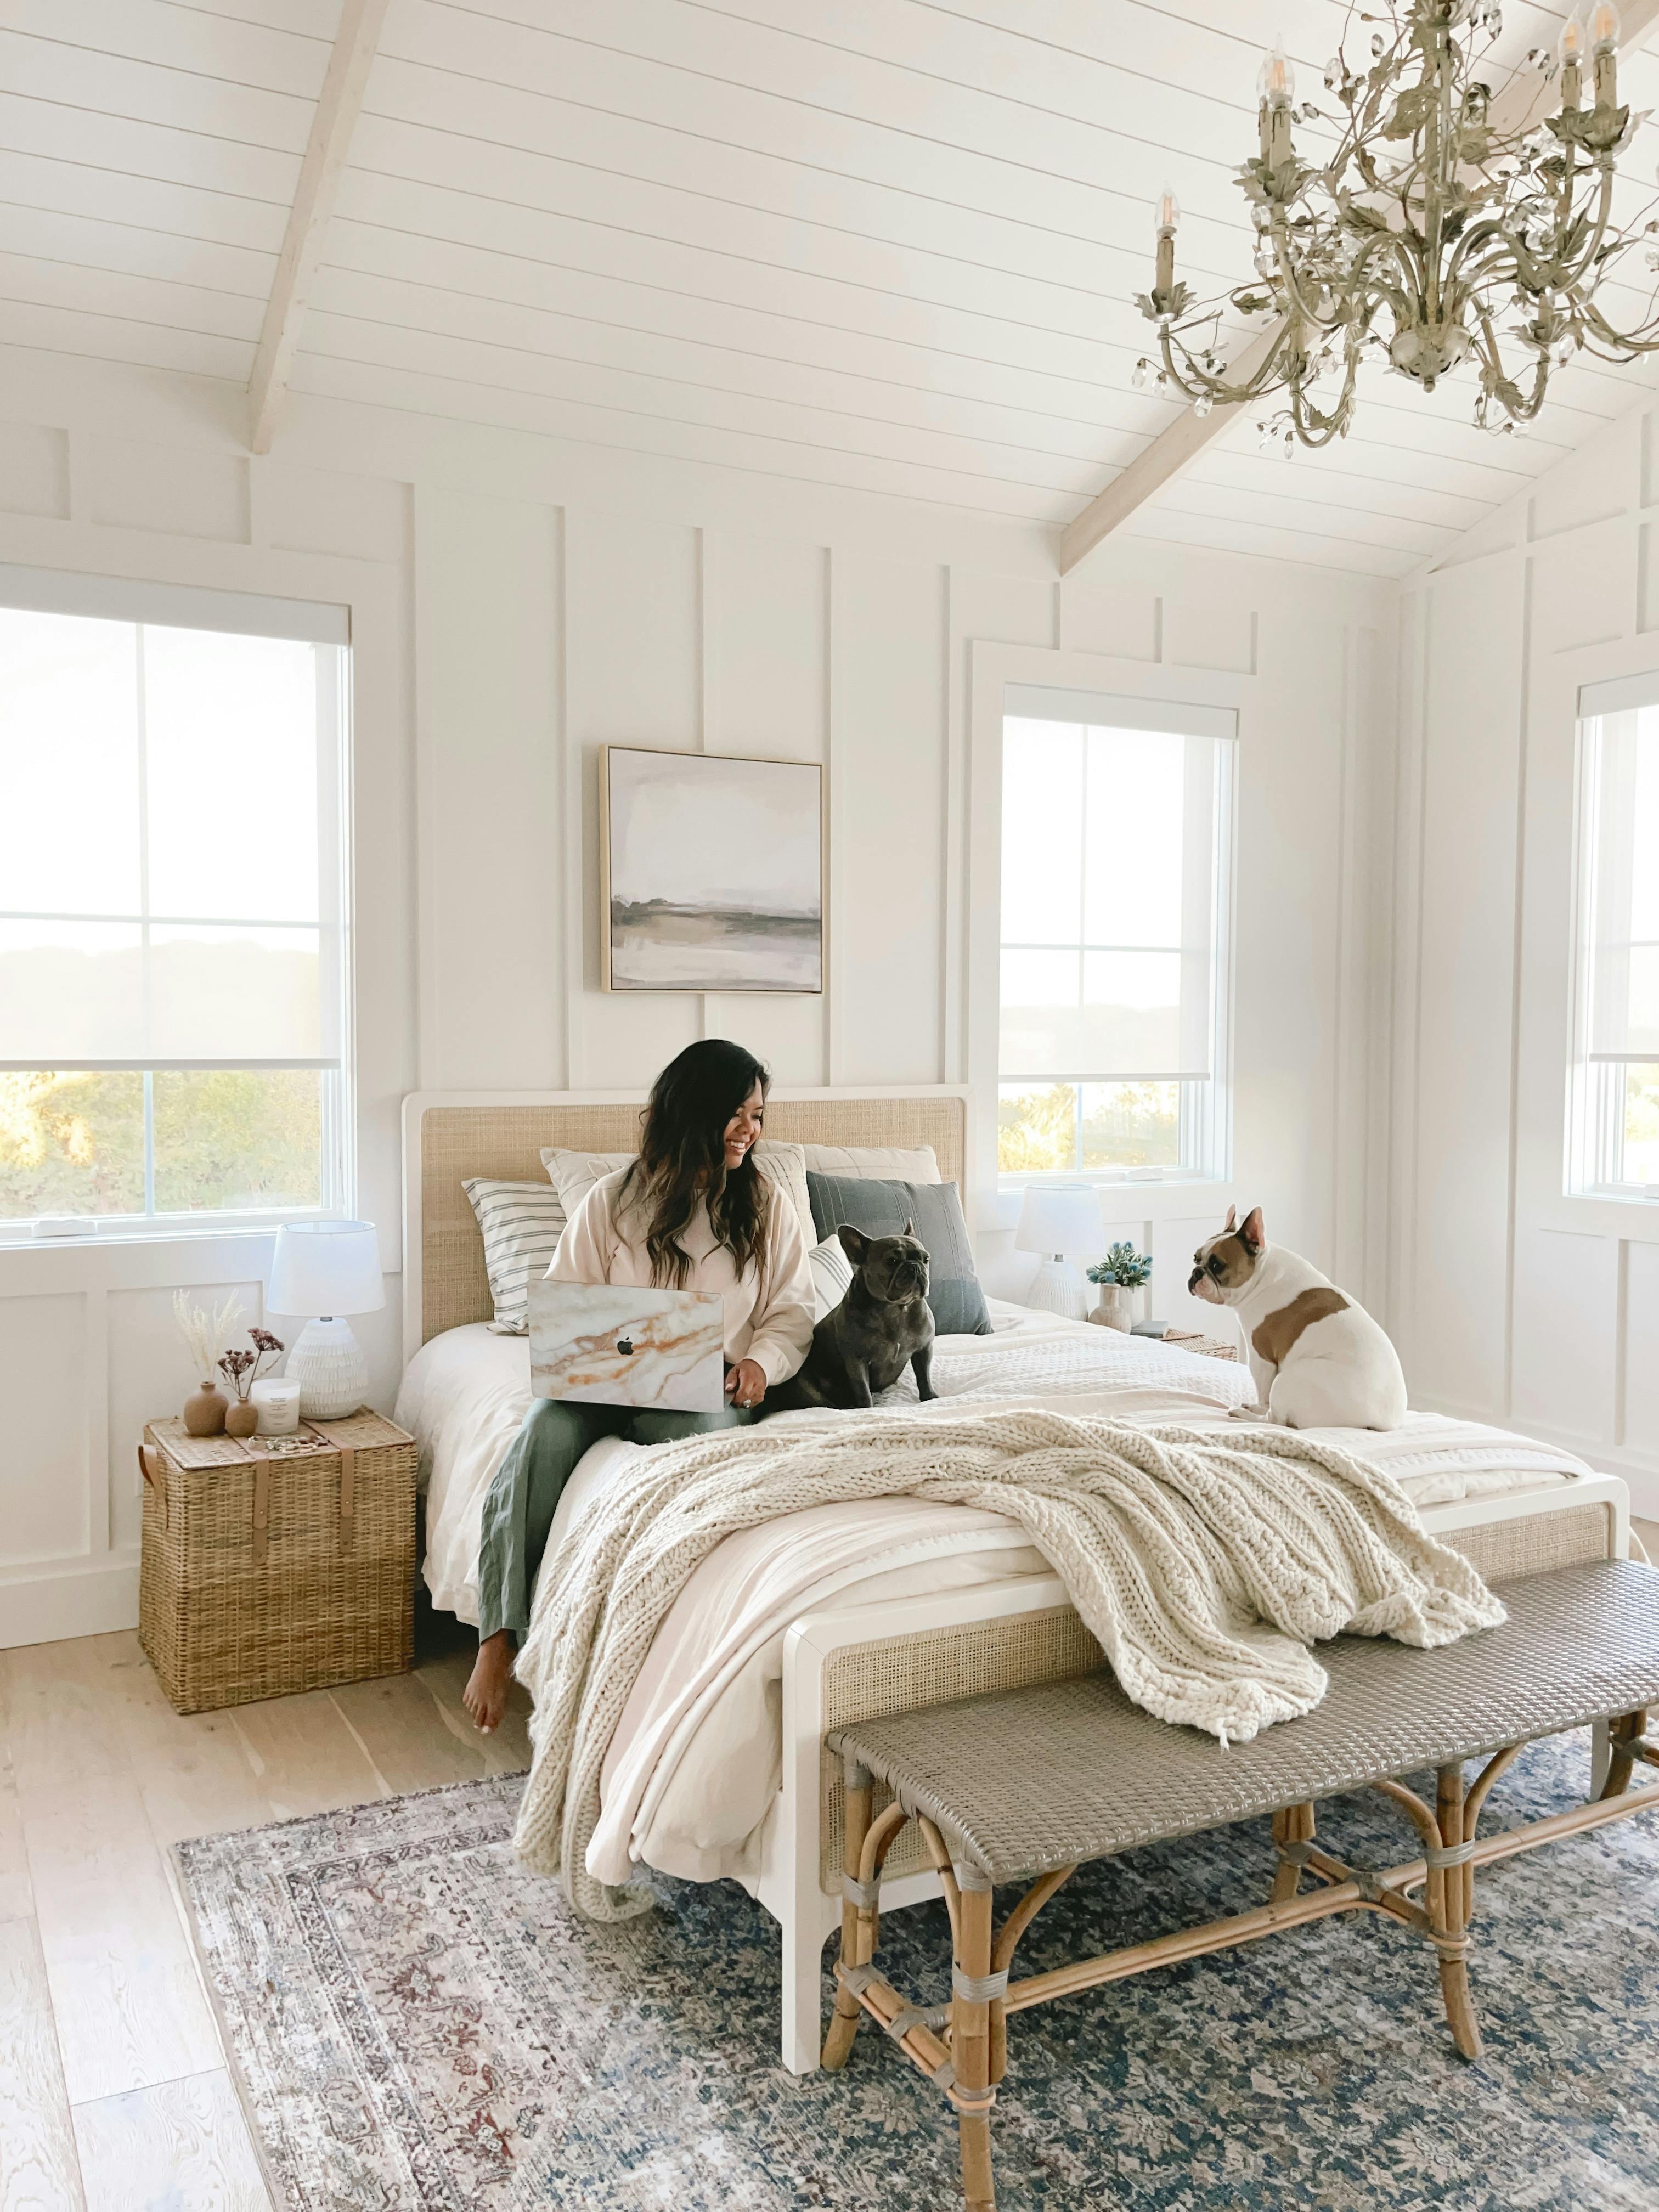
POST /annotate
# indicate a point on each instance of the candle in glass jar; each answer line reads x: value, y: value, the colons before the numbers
x: 277, y: 1401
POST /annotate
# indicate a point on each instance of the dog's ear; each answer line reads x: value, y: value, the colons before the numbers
x: 909, y: 1228
x: 1251, y: 1232
x: 1232, y: 1218
x: 853, y: 1242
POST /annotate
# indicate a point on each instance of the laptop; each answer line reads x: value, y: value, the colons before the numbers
x: 603, y: 1344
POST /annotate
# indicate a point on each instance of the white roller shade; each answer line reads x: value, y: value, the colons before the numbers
x: 1622, y: 951
x: 163, y: 896
x: 1108, y: 874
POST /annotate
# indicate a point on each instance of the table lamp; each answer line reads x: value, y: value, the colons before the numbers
x: 327, y: 1269
x: 1060, y: 1220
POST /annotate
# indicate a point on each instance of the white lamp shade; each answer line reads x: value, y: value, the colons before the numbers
x: 1060, y: 1217
x: 327, y: 1267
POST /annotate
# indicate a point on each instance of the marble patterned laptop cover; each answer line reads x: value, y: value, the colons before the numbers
x: 605, y: 1344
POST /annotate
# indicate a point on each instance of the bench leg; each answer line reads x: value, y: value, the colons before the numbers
x: 1294, y: 1825
x: 971, y: 2051
x: 844, y: 2021
x: 1449, y: 1897
x: 1623, y: 1731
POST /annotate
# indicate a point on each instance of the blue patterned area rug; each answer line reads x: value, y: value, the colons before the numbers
x: 417, y: 2022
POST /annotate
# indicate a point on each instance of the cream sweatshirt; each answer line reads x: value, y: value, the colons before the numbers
x: 771, y: 1325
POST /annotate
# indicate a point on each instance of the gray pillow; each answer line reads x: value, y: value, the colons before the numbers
x: 881, y: 1209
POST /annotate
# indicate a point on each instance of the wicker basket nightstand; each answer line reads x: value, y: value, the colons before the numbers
x: 269, y: 1572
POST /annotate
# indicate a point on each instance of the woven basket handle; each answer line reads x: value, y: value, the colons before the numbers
x: 147, y: 1465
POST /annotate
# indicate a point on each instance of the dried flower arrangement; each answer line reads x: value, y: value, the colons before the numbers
x: 206, y: 1333
x: 1123, y: 1264
x: 242, y: 1369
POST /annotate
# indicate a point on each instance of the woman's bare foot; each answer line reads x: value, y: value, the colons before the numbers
x: 485, y: 1694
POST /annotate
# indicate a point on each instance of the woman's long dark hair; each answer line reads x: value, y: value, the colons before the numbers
x: 682, y: 1161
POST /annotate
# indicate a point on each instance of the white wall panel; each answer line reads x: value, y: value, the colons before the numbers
x: 1202, y: 633
x: 1465, y: 979
x: 33, y: 470
x: 1114, y: 618
x: 1566, y: 1334
x: 889, y: 638
x: 180, y: 490
x: 487, y: 584
x: 1638, y: 1416
x: 44, y: 1475
x: 315, y: 511
x: 1510, y: 1297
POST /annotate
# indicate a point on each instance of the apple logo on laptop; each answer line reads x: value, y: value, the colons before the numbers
x: 624, y: 1345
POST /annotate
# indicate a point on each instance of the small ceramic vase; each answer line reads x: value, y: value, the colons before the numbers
x: 241, y: 1418
x: 1116, y: 1308
x: 204, y: 1411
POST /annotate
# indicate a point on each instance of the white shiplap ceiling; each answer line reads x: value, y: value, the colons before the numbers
x: 887, y: 244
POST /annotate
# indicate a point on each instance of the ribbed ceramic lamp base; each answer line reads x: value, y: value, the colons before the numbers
x: 1059, y: 1287
x: 327, y: 1363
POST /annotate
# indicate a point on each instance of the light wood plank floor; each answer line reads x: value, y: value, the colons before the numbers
x: 113, y: 2092
x: 114, y: 2095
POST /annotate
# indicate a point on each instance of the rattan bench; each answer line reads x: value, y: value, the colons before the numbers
x: 1030, y: 1784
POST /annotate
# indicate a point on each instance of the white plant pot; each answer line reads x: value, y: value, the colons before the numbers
x: 1116, y: 1306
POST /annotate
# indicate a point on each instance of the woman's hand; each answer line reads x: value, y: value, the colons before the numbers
x: 746, y: 1383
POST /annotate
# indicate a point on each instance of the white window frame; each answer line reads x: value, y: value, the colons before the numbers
x: 1595, y: 1104
x: 251, y: 615
x: 1183, y: 701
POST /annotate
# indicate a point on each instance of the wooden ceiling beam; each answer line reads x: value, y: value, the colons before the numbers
x: 1523, y: 101
x: 325, y: 153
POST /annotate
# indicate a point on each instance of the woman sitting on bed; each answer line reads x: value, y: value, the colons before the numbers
x: 692, y: 1213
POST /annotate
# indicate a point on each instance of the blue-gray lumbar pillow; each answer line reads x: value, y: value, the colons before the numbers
x: 881, y: 1209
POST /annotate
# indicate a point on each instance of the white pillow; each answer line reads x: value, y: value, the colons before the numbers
x: 873, y: 1162
x: 574, y: 1174
x: 832, y: 1275
x: 521, y: 1223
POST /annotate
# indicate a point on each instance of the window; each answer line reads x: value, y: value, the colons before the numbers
x: 1117, y: 835
x: 172, y: 918
x: 1613, y: 1116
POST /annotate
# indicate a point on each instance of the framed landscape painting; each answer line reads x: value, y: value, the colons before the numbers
x: 712, y: 871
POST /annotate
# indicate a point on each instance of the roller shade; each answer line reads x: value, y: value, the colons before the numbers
x: 169, y: 895
x: 1623, y: 900
x: 1109, y: 877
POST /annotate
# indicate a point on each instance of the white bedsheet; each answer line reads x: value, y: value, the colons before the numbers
x: 693, y: 1768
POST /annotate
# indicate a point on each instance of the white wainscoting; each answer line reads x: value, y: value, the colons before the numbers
x: 518, y: 602
x: 1509, y: 1302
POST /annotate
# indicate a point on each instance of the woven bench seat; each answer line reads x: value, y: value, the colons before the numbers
x: 1020, y: 1781
x: 1031, y: 1783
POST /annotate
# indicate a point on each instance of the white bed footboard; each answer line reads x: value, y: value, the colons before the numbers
x: 858, y: 1663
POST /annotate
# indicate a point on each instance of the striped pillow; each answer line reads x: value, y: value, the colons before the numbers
x: 521, y: 1223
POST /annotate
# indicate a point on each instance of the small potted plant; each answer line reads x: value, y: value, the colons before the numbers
x: 206, y: 1332
x: 1121, y: 1275
x: 241, y: 1370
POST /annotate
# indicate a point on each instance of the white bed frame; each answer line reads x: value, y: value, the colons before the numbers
x: 790, y: 1882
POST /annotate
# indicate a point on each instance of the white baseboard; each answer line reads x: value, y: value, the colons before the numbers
x: 89, y: 1598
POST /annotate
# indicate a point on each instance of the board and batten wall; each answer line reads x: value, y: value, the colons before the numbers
x: 1511, y: 1301
x: 518, y: 602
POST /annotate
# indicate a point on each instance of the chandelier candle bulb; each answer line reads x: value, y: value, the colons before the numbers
x: 1570, y: 52
x: 1167, y: 216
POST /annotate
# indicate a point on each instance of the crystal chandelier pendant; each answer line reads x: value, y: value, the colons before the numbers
x: 1437, y: 199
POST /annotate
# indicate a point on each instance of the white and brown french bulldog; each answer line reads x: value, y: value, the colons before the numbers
x: 1319, y: 1359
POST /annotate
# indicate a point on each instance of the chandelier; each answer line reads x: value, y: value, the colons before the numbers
x: 1429, y: 234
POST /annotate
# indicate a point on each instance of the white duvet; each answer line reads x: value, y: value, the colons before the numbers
x: 694, y: 1767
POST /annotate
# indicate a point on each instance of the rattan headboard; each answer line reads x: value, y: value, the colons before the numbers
x: 450, y: 1135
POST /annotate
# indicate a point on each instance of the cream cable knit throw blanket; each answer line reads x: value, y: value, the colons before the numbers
x: 1178, y: 1548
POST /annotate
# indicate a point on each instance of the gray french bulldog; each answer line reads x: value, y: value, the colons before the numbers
x: 881, y: 1324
